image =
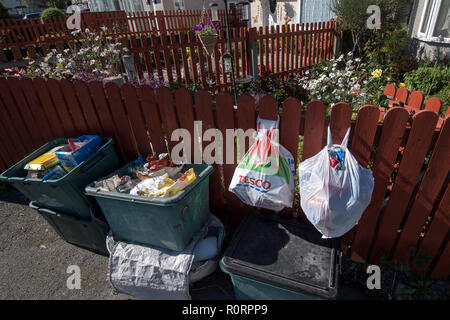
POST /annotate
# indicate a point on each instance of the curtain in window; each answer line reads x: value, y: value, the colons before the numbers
x: 443, y: 20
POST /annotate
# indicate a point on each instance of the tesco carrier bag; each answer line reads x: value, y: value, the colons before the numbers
x: 265, y: 175
x: 334, y: 189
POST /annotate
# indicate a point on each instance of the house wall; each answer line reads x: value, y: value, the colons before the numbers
x: 424, y: 50
x: 12, y: 4
x: 299, y: 11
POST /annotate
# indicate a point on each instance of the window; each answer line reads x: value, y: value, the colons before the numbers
x: 435, y: 21
x: 179, y: 4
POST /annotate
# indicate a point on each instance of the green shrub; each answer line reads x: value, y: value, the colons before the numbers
x: 50, y: 13
x: 4, y: 14
x: 432, y: 81
x: 429, y: 80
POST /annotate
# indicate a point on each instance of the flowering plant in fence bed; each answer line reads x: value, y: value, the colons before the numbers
x: 93, y: 57
x: 208, y: 35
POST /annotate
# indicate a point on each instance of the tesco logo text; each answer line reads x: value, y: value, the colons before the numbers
x: 257, y: 183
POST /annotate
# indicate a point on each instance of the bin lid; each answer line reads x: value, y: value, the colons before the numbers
x: 284, y: 253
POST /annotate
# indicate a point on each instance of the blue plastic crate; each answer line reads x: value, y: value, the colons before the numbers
x: 70, y: 159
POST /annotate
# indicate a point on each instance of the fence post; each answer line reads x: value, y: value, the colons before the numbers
x: 161, y: 21
x: 252, y: 45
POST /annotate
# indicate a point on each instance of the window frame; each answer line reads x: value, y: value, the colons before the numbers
x: 428, y: 34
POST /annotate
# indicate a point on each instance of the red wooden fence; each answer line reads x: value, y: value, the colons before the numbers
x: 181, y: 58
x: 294, y: 47
x: 414, y: 213
x: 22, y: 33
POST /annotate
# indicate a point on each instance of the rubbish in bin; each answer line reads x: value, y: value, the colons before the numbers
x: 42, y: 166
x: 163, y: 222
x: 163, y: 186
x: 78, y: 150
x: 56, y: 172
x: 265, y: 177
x: 64, y: 194
x: 334, y: 195
x: 126, y: 184
x: 45, y: 161
x: 157, y: 166
x: 150, y: 272
x: 154, y: 179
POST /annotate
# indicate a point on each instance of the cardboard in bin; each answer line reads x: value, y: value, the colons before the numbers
x: 70, y: 159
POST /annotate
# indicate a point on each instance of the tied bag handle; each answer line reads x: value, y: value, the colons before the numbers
x: 344, y: 142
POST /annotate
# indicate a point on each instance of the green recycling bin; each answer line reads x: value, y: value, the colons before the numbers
x: 86, y: 234
x: 66, y: 194
x: 163, y: 222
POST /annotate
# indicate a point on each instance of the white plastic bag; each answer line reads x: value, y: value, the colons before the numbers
x: 333, y: 199
x: 265, y: 177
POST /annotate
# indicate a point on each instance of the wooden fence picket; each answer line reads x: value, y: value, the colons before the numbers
x: 136, y: 119
x: 413, y: 157
x: 121, y: 122
x: 141, y: 117
x: 430, y: 186
x: 314, y: 128
x: 386, y: 153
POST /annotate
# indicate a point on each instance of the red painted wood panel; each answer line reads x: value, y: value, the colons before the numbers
x: 8, y: 150
x: 152, y: 118
x: 225, y: 120
x: 314, y: 128
x: 73, y: 106
x: 362, y: 141
x: 26, y: 113
x: 387, y: 150
x: 121, y: 121
x: 416, y: 100
x: 48, y: 107
x: 185, y: 113
x: 88, y: 108
x: 402, y: 95
x: 290, y: 126
x: 389, y: 91
x: 437, y: 231
x: 246, y: 119
x: 441, y: 269
x: 341, y: 115
x: 14, y: 115
x: 416, y: 149
x: 136, y: 119
x: 104, y: 114
x: 166, y: 107
x: 429, y: 188
x: 434, y: 104
x: 37, y: 110
x: 204, y: 113
x: 61, y: 108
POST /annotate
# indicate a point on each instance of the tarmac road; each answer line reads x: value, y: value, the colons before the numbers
x: 34, y: 259
x: 34, y: 262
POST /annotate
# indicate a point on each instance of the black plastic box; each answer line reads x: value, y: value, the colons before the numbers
x: 275, y: 258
